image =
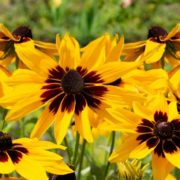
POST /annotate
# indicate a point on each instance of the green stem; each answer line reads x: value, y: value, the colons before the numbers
x: 81, y: 160
x: 76, y: 149
x: 3, y: 117
x: 111, y: 150
x: 68, y: 149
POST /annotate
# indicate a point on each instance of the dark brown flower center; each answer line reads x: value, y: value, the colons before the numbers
x: 163, y: 130
x: 5, y: 141
x: 23, y: 31
x: 72, y: 82
x: 156, y: 32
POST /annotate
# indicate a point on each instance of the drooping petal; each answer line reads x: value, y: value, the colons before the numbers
x: 155, y: 50
x: 161, y: 167
x: 123, y: 151
x: 6, y: 32
x: 34, y: 59
x: 83, y: 125
x: 57, y: 167
x: 30, y: 169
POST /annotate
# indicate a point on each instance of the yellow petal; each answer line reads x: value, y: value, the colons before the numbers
x: 110, y: 72
x: 116, y: 51
x: 22, y: 76
x: 174, y: 158
x: 94, y: 58
x: 30, y: 169
x: 161, y: 167
x: 143, y: 111
x: 6, y: 32
x: 46, y: 47
x: 155, y: 51
x: 43, y: 123
x: 141, y: 151
x: 62, y: 122
x: 57, y: 167
x: 173, y: 32
x: 69, y: 51
x: 122, y: 153
x: 24, y: 107
x: 83, y: 125
x: 33, y: 58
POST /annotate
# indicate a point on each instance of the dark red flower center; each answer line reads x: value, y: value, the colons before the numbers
x: 156, y: 32
x: 72, y: 82
x: 163, y: 130
x: 23, y: 32
x: 8, y: 149
x: 164, y: 136
x: 5, y: 141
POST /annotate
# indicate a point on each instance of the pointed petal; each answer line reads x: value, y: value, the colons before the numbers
x: 143, y: 111
x: 69, y: 51
x: 123, y: 151
x: 57, y: 167
x: 63, y: 119
x: 24, y: 107
x: 116, y: 51
x: 141, y: 151
x: 156, y: 51
x: 173, y: 32
x: 161, y: 167
x: 44, y: 122
x: 174, y: 158
x: 30, y: 169
x: 112, y: 71
x: 83, y: 125
x: 6, y: 32
x: 34, y: 59
x: 94, y: 58
x: 22, y: 76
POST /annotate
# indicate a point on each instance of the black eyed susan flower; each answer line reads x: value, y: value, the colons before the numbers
x: 71, y: 88
x: 21, y: 34
x: 155, y: 129
x: 30, y: 158
x: 159, y: 44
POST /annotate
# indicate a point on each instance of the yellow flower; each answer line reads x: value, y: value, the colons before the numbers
x: 8, y: 54
x: 30, y: 158
x: 73, y: 87
x: 154, y: 129
x: 159, y: 44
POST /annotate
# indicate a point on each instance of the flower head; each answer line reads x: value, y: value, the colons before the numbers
x: 155, y: 131
x: 30, y: 158
x: 21, y: 34
x: 159, y: 45
x: 72, y: 88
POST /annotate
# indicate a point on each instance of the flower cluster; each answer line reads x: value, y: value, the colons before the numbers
x: 106, y: 86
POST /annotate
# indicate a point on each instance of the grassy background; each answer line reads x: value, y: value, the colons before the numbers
x: 89, y: 19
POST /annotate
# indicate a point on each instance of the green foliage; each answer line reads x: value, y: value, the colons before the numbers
x: 89, y: 19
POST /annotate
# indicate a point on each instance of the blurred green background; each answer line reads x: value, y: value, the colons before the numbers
x: 87, y: 19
